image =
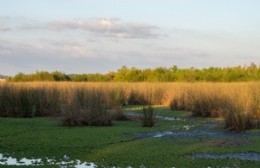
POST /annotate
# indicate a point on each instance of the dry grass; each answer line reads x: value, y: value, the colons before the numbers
x: 116, y: 101
x: 86, y: 103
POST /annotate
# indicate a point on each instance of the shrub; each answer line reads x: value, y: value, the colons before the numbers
x: 96, y: 109
x: 235, y: 118
x: 149, y: 116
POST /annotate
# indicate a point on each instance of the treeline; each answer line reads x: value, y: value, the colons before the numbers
x: 159, y: 74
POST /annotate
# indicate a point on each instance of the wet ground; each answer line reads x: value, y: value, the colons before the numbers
x: 208, y: 129
x: 194, y: 134
x: 157, y: 117
x: 190, y: 129
x: 250, y: 156
x: 210, y: 133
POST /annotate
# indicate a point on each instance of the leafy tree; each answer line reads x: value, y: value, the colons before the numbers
x: 159, y: 74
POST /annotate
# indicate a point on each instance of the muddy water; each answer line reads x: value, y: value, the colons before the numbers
x: 8, y: 160
x: 251, y: 156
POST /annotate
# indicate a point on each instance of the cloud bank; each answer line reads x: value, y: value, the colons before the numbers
x: 4, y: 27
x: 103, y: 27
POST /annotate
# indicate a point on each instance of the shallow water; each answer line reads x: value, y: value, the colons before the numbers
x: 194, y: 134
x: 162, y: 134
x: 168, y: 118
x: 158, y: 117
x: 251, y: 156
x: 8, y: 160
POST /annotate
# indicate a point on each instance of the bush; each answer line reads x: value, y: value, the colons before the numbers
x: 96, y: 108
x: 149, y: 116
x: 235, y: 118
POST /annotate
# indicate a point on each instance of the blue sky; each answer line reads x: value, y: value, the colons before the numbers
x: 86, y: 36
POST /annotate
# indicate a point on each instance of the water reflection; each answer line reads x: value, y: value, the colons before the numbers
x: 9, y: 160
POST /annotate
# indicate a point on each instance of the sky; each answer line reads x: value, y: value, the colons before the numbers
x: 89, y: 36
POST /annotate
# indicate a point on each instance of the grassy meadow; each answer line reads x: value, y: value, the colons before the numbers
x: 117, y: 145
x: 92, y: 122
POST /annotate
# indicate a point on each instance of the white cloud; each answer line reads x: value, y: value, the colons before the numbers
x: 4, y: 27
x: 59, y: 49
x: 104, y: 27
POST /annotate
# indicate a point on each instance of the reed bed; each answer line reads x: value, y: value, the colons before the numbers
x: 91, y: 103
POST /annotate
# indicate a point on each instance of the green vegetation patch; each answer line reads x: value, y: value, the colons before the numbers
x: 117, y: 145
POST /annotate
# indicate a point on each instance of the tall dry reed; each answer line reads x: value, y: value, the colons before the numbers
x: 87, y: 103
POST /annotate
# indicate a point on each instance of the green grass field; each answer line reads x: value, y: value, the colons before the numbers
x: 119, y: 146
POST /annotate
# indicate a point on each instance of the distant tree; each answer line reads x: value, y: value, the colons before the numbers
x: 59, y: 76
x: 121, y: 74
x: 159, y: 74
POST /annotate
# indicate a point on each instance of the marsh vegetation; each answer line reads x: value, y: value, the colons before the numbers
x: 99, y: 103
x: 105, y: 123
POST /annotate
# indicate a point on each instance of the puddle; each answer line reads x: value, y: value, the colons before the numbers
x: 250, y: 156
x: 158, y: 117
x: 168, y: 118
x: 193, y: 134
x: 8, y: 160
x: 162, y: 134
